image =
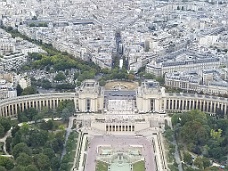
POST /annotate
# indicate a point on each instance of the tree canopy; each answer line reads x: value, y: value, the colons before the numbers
x: 202, y: 134
x: 34, y: 149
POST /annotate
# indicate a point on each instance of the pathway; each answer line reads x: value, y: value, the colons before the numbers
x: 68, y: 131
x: 3, y: 140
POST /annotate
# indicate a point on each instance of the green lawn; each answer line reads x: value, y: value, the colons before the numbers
x: 101, y: 166
x: 139, y: 166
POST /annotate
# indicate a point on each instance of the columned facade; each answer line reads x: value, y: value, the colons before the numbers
x: 185, y: 102
x: 120, y: 128
x: 11, y: 107
x: 150, y: 98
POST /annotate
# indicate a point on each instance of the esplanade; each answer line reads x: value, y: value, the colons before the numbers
x: 147, y: 98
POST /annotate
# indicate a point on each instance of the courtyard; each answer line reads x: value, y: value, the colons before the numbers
x: 122, y: 153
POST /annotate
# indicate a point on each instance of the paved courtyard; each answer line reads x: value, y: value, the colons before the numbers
x: 123, y: 142
x: 121, y: 105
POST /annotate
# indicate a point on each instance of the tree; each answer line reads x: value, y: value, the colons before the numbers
x: 66, y: 114
x: 175, y: 119
x: 198, y: 162
x: 19, y: 90
x: 60, y: 76
x: 29, y: 90
x: 8, y: 143
x: 24, y: 159
x: 18, y: 168
x: 187, y: 158
x: 2, y: 131
x: 6, y: 123
x: 206, y: 162
x: 169, y: 134
x: 31, y: 168
x: 102, y: 82
x: 42, y: 162
x: 55, y: 164
x: 66, y: 104
x: 161, y: 80
x: 149, y: 76
x: 6, y: 162
x: 57, y: 144
x: 64, y: 166
x: 49, y: 152
x: 21, y: 148
x: 32, y: 25
x: 35, y: 56
x: 49, y: 125
x: 27, y: 115
x: 46, y: 84
x: 194, y: 132
x: 190, y: 169
x: 37, y: 138
x: 76, y: 74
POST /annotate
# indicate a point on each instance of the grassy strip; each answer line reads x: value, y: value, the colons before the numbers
x: 68, y: 158
x: 139, y: 166
x: 86, y: 145
x: 101, y: 166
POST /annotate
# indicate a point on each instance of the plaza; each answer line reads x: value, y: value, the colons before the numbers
x: 129, y: 149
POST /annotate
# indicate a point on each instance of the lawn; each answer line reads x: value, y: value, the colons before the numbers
x: 139, y: 166
x: 101, y: 166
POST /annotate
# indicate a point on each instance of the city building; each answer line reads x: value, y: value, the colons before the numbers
x: 182, y: 61
x: 206, y: 81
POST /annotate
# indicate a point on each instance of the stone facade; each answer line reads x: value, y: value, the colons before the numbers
x: 91, y: 98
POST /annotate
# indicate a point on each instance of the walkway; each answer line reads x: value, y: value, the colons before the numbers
x: 68, y: 131
x: 3, y: 140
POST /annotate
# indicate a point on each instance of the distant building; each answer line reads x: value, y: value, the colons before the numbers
x: 206, y: 81
x: 6, y: 90
x: 182, y: 62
